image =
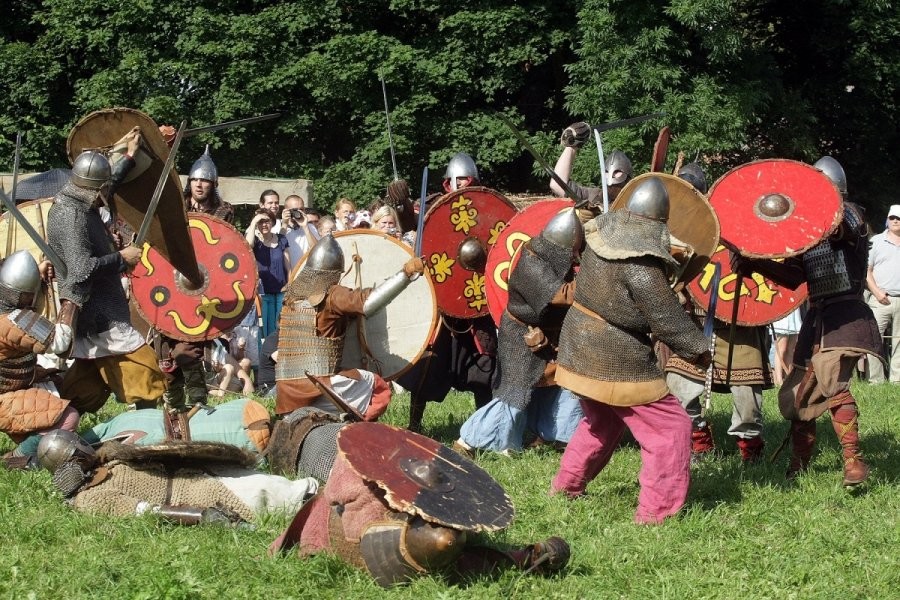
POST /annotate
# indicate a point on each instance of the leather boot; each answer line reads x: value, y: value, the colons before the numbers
x: 702, y: 444
x: 844, y: 420
x: 751, y: 449
x: 803, y: 439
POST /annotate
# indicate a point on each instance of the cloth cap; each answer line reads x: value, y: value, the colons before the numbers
x: 895, y: 210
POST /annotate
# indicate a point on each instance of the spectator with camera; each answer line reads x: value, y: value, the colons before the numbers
x: 298, y: 227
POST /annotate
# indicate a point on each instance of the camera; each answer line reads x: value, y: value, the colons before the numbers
x: 297, y: 213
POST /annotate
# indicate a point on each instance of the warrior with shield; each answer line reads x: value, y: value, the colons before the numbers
x: 400, y: 505
x: 540, y: 293
x: 838, y: 330
x: 622, y: 296
x: 109, y: 353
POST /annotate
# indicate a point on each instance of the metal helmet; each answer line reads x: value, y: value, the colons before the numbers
x: 565, y: 230
x: 650, y: 199
x: 618, y: 162
x: 834, y: 171
x: 20, y: 279
x: 694, y: 175
x: 461, y: 165
x: 204, y: 168
x: 326, y: 255
x: 61, y: 445
x: 91, y: 170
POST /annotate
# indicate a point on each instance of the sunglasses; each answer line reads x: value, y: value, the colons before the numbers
x: 892, y: 218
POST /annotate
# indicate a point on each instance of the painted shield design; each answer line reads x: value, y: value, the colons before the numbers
x: 505, y: 253
x: 13, y: 238
x: 762, y: 301
x: 421, y: 476
x: 692, y: 222
x: 394, y: 338
x: 775, y: 208
x: 171, y: 304
x: 460, y: 230
x: 168, y: 232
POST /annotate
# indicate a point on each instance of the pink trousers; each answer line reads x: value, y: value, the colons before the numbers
x: 663, y: 430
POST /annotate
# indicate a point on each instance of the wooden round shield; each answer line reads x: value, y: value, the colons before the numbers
x: 421, y: 476
x: 776, y: 208
x: 170, y: 303
x: 692, y: 222
x: 502, y: 258
x: 460, y: 230
x: 762, y: 301
x: 13, y: 238
x: 168, y: 232
x: 397, y: 336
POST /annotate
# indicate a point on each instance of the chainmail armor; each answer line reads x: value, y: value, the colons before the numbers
x: 300, y: 349
x: 623, y: 302
x: 17, y: 373
x: 9, y: 299
x: 77, y: 233
x: 542, y: 269
x: 319, y: 448
x: 310, y: 283
x: 620, y: 235
x: 69, y: 477
x: 838, y: 265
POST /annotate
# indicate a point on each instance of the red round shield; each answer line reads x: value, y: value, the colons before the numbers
x: 505, y: 253
x: 775, y: 208
x: 460, y: 230
x: 762, y: 301
x: 421, y: 476
x: 165, y: 297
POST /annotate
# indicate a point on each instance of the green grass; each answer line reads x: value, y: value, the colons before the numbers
x: 745, y: 532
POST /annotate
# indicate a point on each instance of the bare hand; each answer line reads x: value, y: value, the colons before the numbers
x: 131, y: 255
x: 46, y: 270
x: 883, y: 298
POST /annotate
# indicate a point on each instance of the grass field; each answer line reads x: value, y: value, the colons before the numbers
x: 745, y: 532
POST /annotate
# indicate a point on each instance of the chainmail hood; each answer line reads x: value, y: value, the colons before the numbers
x: 69, y: 477
x: 70, y: 190
x: 620, y: 235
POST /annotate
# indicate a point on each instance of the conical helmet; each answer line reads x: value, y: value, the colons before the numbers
x: 326, y: 255
x: 650, y: 199
x: 61, y: 445
x: 20, y: 280
x: 204, y: 168
x: 694, y: 175
x: 90, y: 170
x: 461, y: 165
x: 565, y: 230
x: 834, y: 171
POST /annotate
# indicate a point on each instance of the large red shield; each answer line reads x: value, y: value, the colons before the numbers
x: 762, y: 301
x: 692, y: 222
x: 166, y: 299
x: 460, y: 229
x: 421, y: 476
x: 505, y: 253
x: 775, y: 208
x: 168, y: 232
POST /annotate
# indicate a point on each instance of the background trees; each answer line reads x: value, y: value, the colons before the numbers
x: 739, y: 79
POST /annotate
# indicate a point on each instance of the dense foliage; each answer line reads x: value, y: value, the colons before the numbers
x: 739, y: 79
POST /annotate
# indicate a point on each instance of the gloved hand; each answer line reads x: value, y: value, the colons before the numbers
x: 414, y: 266
x: 186, y: 353
x: 397, y: 193
x: 575, y: 135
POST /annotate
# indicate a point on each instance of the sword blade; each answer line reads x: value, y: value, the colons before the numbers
x: 52, y: 256
x: 734, y: 313
x: 160, y: 185
x: 421, y: 225
x: 626, y: 122
x: 387, y: 115
x: 15, y: 183
x: 709, y: 332
x: 227, y: 124
x: 543, y: 163
x: 603, y: 183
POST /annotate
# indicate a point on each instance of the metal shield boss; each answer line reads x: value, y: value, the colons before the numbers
x: 775, y: 208
x: 168, y: 234
x: 14, y: 238
x: 762, y: 301
x: 395, y: 337
x: 423, y: 477
x: 692, y: 222
x: 460, y: 230
x: 170, y: 303
x: 505, y: 253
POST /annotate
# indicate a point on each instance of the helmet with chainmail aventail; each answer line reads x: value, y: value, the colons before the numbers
x: 20, y: 280
x: 90, y: 170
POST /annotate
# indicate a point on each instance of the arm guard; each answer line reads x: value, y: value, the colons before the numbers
x: 384, y: 292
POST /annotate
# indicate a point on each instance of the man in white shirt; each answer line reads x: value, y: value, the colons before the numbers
x: 883, y: 279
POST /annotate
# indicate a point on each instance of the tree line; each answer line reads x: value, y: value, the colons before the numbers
x: 738, y: 80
